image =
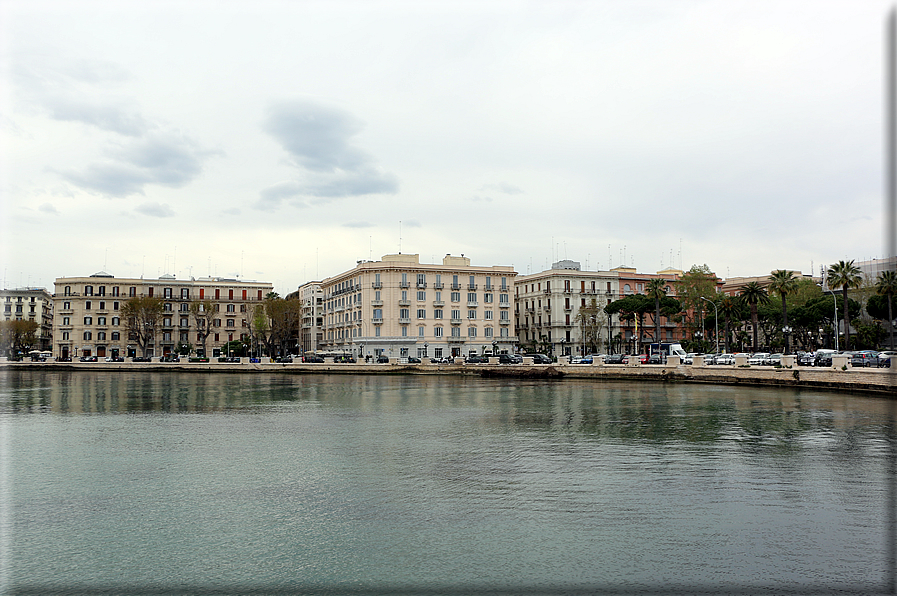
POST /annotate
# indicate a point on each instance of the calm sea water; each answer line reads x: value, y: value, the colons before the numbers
x: 130, y: 483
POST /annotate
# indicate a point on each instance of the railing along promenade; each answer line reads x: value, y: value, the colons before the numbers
x: 840, y: 376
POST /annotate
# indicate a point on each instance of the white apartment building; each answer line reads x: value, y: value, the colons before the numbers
x: 400, y: 307
x: 547, y: 306
x: 311, y: 331
x: 31, y: 304
x: 88, y: 322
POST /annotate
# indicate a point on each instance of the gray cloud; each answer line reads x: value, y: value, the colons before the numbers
x: 155, y: 210
x: 113, y: 118
x: 48, y: 208
x: 318, y: 140
x: 165, y: 159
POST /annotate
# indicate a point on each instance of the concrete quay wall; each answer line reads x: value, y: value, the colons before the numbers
x: 871, y: 380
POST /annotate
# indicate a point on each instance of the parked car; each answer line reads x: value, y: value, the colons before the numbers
x: 505, y: 359
x: 773, y: 360
x: 141, y: 359
x: 88, y: 358
x: 805, y: 358
x: 540, y: 358
x: 616, y: 359
x: 413, y: 360
x: 284, y: 360
x: 725, y: 360
x: 758, y: 358
x: 655, y: 359
x: 114, y: 359
x: 230, y: 359
x: 885, y: 357
x: 591, y: 358
x: 170, y: 358
x: 475, y: 360
x: 865, y: 358
x: 382, y: 359
x: 823, y: 357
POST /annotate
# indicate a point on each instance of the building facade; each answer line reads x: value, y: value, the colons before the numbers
x: 88, y: 318
x: 311, y: 331
x: 400, y: 307
x: 31, y: 304
x: 561, y: 310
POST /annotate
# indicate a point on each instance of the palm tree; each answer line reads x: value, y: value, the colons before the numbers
x: 845, y: 275
x: 729, y: 307
x: 656, y: 289
x: 753, y: 294
x: 783, y: 283
x: 887, y: 286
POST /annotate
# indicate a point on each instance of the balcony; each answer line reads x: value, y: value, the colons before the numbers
x: 504, y: 321
x: 471, y: 286
x: 404, y: 303
x: 439, y: 303
x: 404, y: 284
x: 421, y: 285
x: 404, y: 321
x: 376, y: 303
x: 504, y: 305
x: 377, y: 320
x: 376, y: 285
x: 471, y: 303
x: 456, y: 321
x: 438, y: 285
x: 456, y: 286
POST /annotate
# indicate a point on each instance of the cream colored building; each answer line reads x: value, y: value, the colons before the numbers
x: 311, y: 330
x: 31, y: 304
x: 547, y: 305
x: 88, y: 322
x: 400, y: 307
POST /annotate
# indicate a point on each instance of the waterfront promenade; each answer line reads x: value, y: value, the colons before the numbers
x: 881, y: 381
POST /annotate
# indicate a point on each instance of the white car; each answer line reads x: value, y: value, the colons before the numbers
x: 758, y: 359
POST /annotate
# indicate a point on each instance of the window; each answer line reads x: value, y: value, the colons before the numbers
x: 437, y: 332
x: 115, y: 291
x: 116, y: 336
x: 231, y: 308
x: 230, y: 294
x: 231, y: 323
x: 185, y: 293
x: 456, y: 314
x: 503, y: 332
x: 68, y: 291
x: 438, y: 296
x: 217, y: 323
x: 65, y: 335
x: 420, y: 331
x: 244, y: 294
x: 88, y: 320
x: 101, y: 291
x: 132, y: 291
x: 116, y: 321
x: 504, y: 284
x: 88, y: 335
x: 378, y: 313
x: 503, y: 299
x: 437, y: 313
x: 488, y: 332
x: 489, y: 315
x: 87, y: 305
x: 403, y: 313
x: 101, y: 321
x: 101, y: 336
x: 421, y: 296
x: 185, y: 322
x: 166, y: 293
x: 102, y: 306
x: 503, y: 315
x: 471, y: 296
x: 421, y: 313
x: 487, y: 297
x: 115, y: 306
x: 88, y: 290
x: 376, y: 331
x: 456, y: 296
x: 471, y: 332
x: 471, y: 314
x: 66, y: 306
x: 421, y: 279
x: 456, y: 332
x: 404, y: 331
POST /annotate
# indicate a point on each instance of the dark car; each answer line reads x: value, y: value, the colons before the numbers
x: 865, y: 358
x: 413, y: 360
x: 313, y: 360
x: 506, y: 359
x: 141, y: 359
x: 230, y: 359
x: 170, y: 359
x: 615, y: 359
x: 539, y: 358
x: 823, y: 358
x: 88, y: 358
x: 344, y: 359
x: 655, y: 359
x: 475, y: 360
x: 284, y: 360
x: 382, y: 359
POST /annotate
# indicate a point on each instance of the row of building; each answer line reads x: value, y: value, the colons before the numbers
x: 396, y: 306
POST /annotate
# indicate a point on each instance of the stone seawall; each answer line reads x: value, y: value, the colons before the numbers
x: 871, y: 380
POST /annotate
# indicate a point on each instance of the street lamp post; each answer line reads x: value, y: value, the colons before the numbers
x: 786, y: 330
x: 835, y: 325
x: 715, y: 322
x: 426, y: 350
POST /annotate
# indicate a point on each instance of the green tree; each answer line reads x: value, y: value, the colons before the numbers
x: 590, y: 323
x: 754, y: 294
x: 845, y: 275
x: 203, y: 312
x: 783, y: 283
x: 631, y: 307
x: 17, y: 336
x: 141, y: 315
x: 886, y: 286
x: 696, y: 283
x: 729, y: 308
x: 656, y: 290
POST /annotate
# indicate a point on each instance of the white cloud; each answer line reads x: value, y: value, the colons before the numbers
x: 155, y: 210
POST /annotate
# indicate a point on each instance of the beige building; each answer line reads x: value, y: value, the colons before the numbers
x: 400, y: 307
x: 31, y: 304
x: 548, y: 303
x: 87, y: 318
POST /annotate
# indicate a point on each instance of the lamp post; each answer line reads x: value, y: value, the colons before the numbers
x: 715, y: 322
x: 786, y: 330
x: 835, y: 325
x: 494, y: 349
x: 426, y: 350
x: 700, y: 336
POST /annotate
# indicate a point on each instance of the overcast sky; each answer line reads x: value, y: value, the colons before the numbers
x: 284, y: 141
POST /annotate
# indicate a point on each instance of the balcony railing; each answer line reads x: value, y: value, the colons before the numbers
x: 504, y: 321
x: 404, y: 303
x: 404, y: 284
x: 421, y: 285
x: 456, y: 321
x: 438, y: 285
x: 439, y: 303
x: 404, y: 321
x: 376, y: 303
x: 377, y: 320
x: 471, y: 286
x: 472, y: 303
x: 376, y: 285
